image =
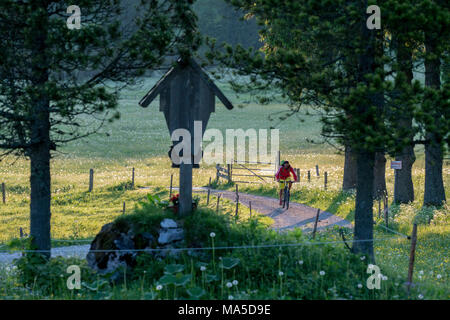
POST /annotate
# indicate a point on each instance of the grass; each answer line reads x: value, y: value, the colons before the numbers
x: 311, y: 270
x: 140, y: 140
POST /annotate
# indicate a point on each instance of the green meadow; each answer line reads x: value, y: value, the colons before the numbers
x: 140, y: 140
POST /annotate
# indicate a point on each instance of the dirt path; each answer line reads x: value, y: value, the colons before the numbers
x: 298, y: 215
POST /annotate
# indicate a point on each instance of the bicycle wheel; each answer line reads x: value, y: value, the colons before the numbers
x: 286, y: 198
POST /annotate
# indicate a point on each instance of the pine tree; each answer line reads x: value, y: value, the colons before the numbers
x: 322, y: 54
x: 53, y: 77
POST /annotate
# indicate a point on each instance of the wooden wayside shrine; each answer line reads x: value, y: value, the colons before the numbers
x: 187, y: 94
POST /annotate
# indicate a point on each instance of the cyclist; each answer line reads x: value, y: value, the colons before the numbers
x: 284, y: 175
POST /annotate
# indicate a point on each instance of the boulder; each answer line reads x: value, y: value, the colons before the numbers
x: 167, y: 236
x: 168, y: 224
x: 118, y: 244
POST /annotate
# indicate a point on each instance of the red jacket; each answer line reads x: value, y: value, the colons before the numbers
x: 283, y: 173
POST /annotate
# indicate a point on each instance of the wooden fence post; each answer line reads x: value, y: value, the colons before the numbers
x: 3, y: 192
x: 217, y: 172
x: 317, y: 170
x: 217, y: 206
x: 309, y: 176
x: 250, y: 205
x: 91, y: 180
x: 379, y: 208
x: 21, y: 232
x: 326, y: 179
x: 209, y: 191
x: 171, y: 185
x: 124, y: 208
x: 229, y: 172
x: 386, y: 211
x: 315, y: 223
x: 412, y: 256
x: 237, y: 201
x: 132, y: 179
x: 298, y: 175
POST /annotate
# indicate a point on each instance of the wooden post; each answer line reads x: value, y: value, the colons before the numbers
x: 250, y: 205
x: 185, y: 189
x: 209, y: 191
x: 3, y: 193
x: 237, y: 201
x: 124, y: 208
x: 309, y: 176
x: 229, y: 172
x: 91, y: 180
x: 386, y: 211
x: 326, y: 179
x: 171, y: 184
x: 412, y: 256
x: 379, y: 208
x: 132, y: 179
x: 21, y: 232
x: 217, y: 172
x: 298, y: 175
x: 315, y: 223
x: 317, y: 170
x: 217, y: 206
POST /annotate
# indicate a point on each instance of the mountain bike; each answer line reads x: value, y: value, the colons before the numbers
x: 286, y: 194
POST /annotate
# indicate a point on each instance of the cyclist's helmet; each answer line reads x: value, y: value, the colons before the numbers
x: 284, y: 161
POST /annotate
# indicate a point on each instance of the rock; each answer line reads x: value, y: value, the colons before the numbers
x: 103, y: 255
x: 168, y: 224
x: 118, y: 244
x: 167, y: 236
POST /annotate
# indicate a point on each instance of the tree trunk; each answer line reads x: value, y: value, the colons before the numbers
x: 363, y: 205
x: 379, y: 172
x: 403, y: 185
x: 434, y: 184
x: 40, y: 213
x: 350, y: 170
x: 39, y: 152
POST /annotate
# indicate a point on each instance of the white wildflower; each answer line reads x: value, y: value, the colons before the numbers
x: 229, y: 284
x: 212, y: 234
x: 322, y: 273
x: 159, y: 287
x: 235, y: 282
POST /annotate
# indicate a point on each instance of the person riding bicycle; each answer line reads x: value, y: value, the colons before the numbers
x: 284, y: 175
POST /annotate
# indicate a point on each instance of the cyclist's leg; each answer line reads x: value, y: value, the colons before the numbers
x: 282, y: 184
